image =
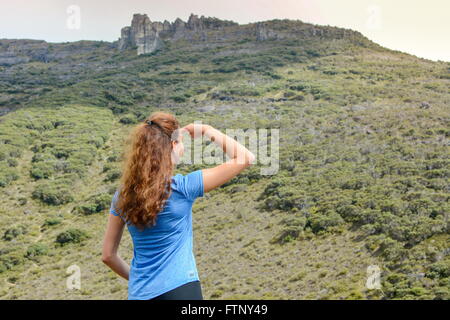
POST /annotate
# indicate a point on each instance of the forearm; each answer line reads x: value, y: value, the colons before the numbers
x: 230, y: 146
x: 119, y: 266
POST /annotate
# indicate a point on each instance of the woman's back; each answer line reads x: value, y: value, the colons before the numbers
x: 162, y: 254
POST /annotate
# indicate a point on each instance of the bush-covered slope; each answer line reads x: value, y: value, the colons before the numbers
x: 363, y: 179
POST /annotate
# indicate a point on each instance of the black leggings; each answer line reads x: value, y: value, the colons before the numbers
x: 188, y: 291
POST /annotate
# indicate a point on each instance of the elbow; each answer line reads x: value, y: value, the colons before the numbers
x: 107, y: 258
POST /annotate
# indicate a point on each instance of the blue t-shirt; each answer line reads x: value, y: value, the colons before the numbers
x: 163, y: 256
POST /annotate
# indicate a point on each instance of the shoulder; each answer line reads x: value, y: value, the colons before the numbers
x: 181, y: 179
x: 191, y: 184
x: 115, y: 197
x: 113, y: 209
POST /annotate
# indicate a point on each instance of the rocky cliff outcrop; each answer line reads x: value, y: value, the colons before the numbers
x: 148, y: 36
x: 143, y: 34
x: 264, y: 33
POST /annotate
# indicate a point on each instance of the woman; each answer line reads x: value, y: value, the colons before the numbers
x: 157, y: 208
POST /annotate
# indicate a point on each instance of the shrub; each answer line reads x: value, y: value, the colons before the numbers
x: 71, y: 236
x: 96, y: 203
x: 439, y: 269
x: 96, y: 141
x: 12, y: 162
x: 113, y: 175
x: 442, y: 293
x: 37, y: 249
x: 294, y: 221
x: 51, y: 222
x: 283, y: 195
x: 41, y: 156
x: 323, y: 221
x: 178, y: 99
x: 7, y: 175
x: 14, y: 232
x: 128, y: 119
x: 9, y: 261
x: 53, y: 193
x: 112, y: 158
x: 109, y: 166
x: 76, y: 166
x: 42, y: 170
x: 287, y: 234
x: 293, y: 228
x: 15, y: 153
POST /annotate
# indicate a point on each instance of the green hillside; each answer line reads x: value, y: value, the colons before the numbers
x: 364, y: 164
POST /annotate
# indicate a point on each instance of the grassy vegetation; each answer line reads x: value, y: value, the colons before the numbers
x: 363, y: 180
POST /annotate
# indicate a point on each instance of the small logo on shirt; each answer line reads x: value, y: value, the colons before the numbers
x: 191, y: 274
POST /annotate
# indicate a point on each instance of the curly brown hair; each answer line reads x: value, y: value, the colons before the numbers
x: 147, y: 169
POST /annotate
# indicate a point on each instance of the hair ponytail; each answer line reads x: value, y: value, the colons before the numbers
x: 147, y: 169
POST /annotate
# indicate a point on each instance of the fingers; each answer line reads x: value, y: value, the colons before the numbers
x: 184, y: 130
x: 195, y: 130
x: 187, y: 127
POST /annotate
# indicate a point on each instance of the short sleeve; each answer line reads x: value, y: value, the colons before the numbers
x: 112, y: 210
x: 193, y: 185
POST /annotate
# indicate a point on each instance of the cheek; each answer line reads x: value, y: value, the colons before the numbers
x: 181, y: 152
x: 178, y: 149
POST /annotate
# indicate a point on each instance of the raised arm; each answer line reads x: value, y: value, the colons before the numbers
x: 240, y: 157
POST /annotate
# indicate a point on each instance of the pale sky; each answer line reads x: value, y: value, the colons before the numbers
x: 421, y: 28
